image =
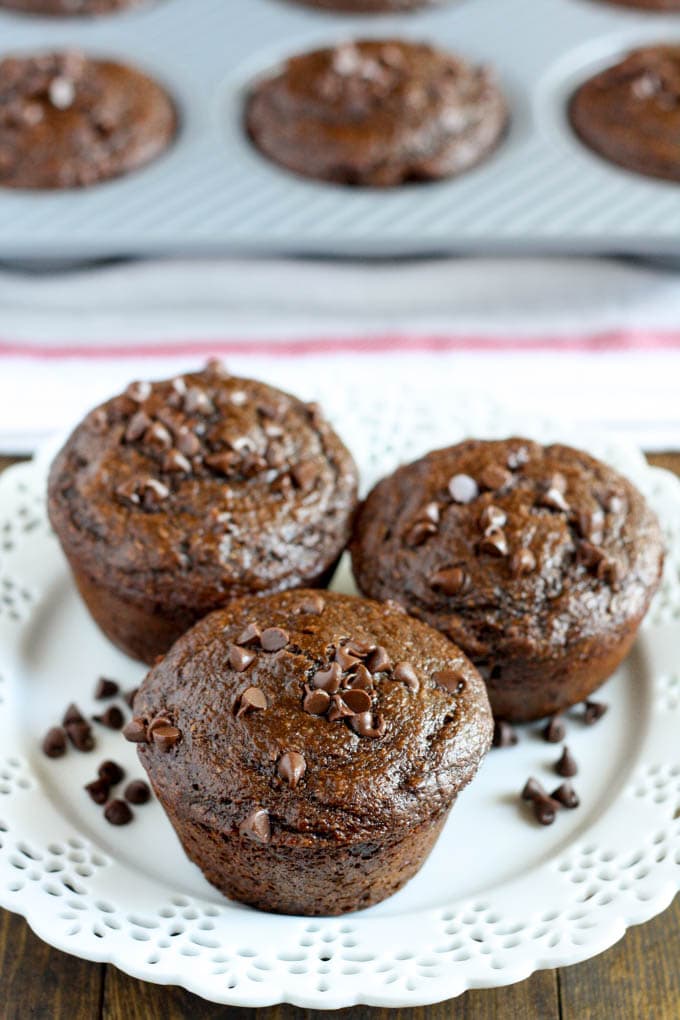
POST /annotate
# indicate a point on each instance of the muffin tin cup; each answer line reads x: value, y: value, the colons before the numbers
x: 213, y: 193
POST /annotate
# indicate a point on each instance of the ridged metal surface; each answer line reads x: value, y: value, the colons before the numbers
x: 212, y: 193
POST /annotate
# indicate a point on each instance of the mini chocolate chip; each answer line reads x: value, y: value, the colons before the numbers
x: 449, y: 680
x: 250, y: 636
x: 291, y: 768
x: 187, y: 443
x: 566, y: 795
x: 222, y: 463
x: 357, y: 701
x: 316, y: 702
x: 590, y: 524
x: 495, y: 476
x: 594, y: 710
x: 378, y: 660
x: 430, y: 512
x: 240, y: 658
x: 328, y: 679
x: 554, y: 730
x: 256, y: 826
x: 80, y: 735
x: 72, y: 714
x: 405, y: 673
x: 419, y: 532
x: 532, y: 789
x: 111, y: 772
x: 274, y: 639
x: 137, y: 426
x: 127, y: 493
x: 368, y: 725
x: 553, y: 499
x: 504, y: 735
x: 196, y: 401
x: 54, y: 742
x: 545, y: 810
x: 345, y: 659
x: 566, y: 765
x: 129, y: 696
x: 112, y: 717
x: 155, y: 493
x: 492, y: 518
x: 360, y: 679
x: 175, y: 462
x: 166, y: 737
x: 304, y: 475
x: 463, y: 489
x: 138, y: 391
x: 494, y: 543
x: 98, y: 790
x: 338, y: 709
x: 523, y: 562
x: 137, y: 792
x: 450, y: 580
x: 158, y: 436
x: 156, y: 722
x: 313, y: 604
x: 252, y: 700
x: 135, y: 731
x: 105, y: 688
x: 117, y: 812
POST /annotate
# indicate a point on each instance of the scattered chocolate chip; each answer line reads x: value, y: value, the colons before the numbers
x: 252, y: 700
x: 111, y: 772
x: 129, y: 696
x: 360, y: 679
x: 135, y: 731
x: 72, y: 715
x: 117, y: 812
x: 112, y: 717
x: 545, y: 810
x: 175, y: 462
x: 378, y: 660
x: 338, y: 709
x: 274, y: 638
x: 419, y: 533
x: 98, y: 790
x: 313, y: 604
x: 196, y: 401
x: 594, y: 710
x: 304, y: 475
x: 223, y: 463
x: 566, y: 765
x: 250, y: 636
x: 566, y: 795
x: 156, y: 722
x: 590, y: 524
x: 504, y: 735
x: 449, y: 680
x: 532, y: 789
x: 450, y: 580
x: 494, y: 543
x: 357, y: 701
x: 291, y: 768
x: 345, y: 658
x: 166, y: 737
x: 523, y: 562
x: 495, y: 476
x: 256, y: 826
x: 316, y: 702
x: 80, y: 735
x: 405, y: 673
x: 154, y: 493
x: 553, y: 499
x: 554, y: 731
x: 137, y: 426
x: 157, y: 436
x: 492, y: 518
x: 187, y: 443
x: 368, y: 725
x: 137, y: 792
x: 463, y: 489
x: 240, y: 658
x: 127, y: 493
x: 54, y: 742
x: 328, y: 679
x: 138, y: 391
x: 430, y: 512
x: 105, y: 688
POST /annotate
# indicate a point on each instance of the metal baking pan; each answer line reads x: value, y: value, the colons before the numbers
x: 213, y: 193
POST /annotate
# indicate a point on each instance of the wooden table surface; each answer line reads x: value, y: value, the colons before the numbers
x: 638, y: 979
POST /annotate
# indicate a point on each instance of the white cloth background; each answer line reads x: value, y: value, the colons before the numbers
x: 591, y: 341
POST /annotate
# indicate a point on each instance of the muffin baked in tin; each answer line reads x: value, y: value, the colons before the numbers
x: 175, y: 497
x: 308, y: 746
x: 539, y: 562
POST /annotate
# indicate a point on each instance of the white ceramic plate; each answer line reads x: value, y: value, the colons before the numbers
x: 500, y: 896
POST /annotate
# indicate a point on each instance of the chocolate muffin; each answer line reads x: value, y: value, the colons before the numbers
x: 377, y: 113
x: 177, y: 496
x: 67, y: 121
x: 69, y: 7
x: 307, y: 748
x: 539, y: 562
x: 630, y: 113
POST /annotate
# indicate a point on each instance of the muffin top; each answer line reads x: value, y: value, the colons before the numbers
x: 630, y: 113
x: 308, y: 715
x: 203, y: 487
x: 376, y: 113
x: 509, y: 544
x: 67, y: 121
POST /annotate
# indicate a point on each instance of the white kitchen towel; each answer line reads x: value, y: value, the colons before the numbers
x: 595, y: 342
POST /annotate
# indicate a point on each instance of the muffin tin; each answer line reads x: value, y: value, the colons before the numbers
x: 213, y: 193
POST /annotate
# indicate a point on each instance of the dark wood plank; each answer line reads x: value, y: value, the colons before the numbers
x: 129, y: 999
x: 37, y: 981
x: 637, y: 978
